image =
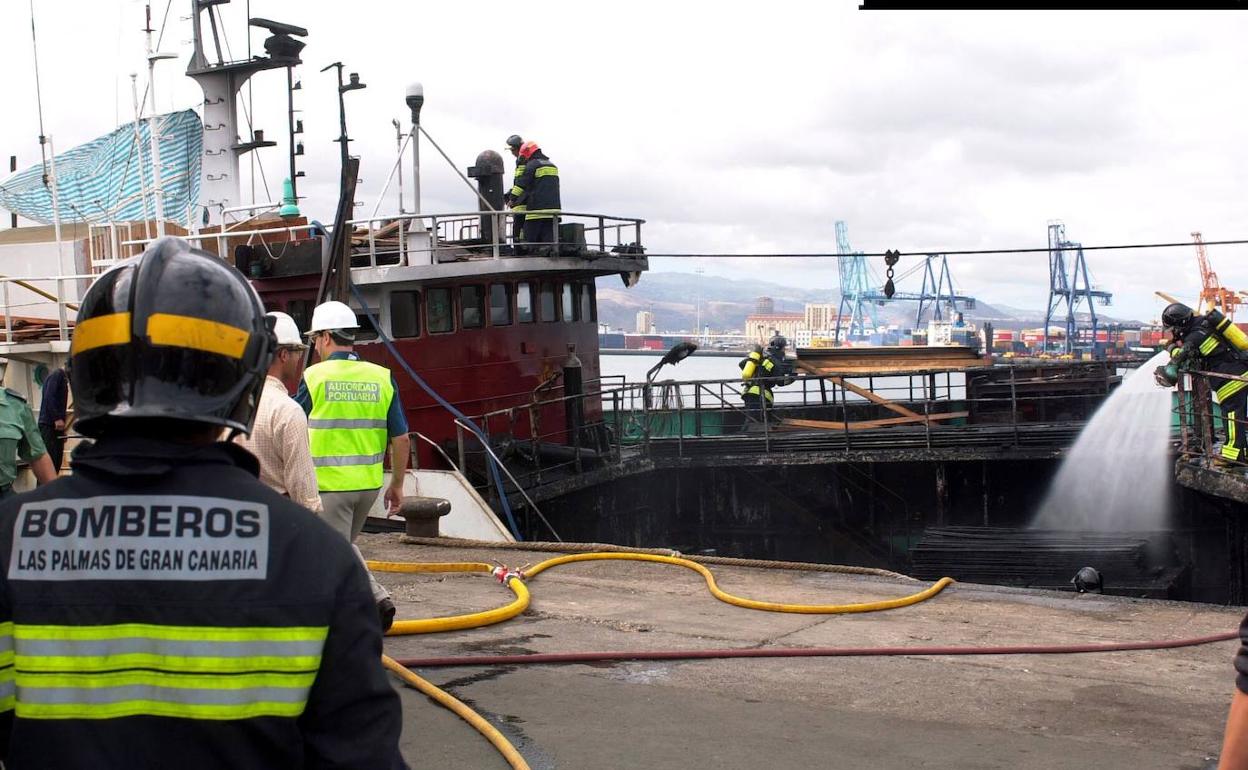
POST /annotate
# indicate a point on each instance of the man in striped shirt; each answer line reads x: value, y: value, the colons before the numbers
x: 279, y: 440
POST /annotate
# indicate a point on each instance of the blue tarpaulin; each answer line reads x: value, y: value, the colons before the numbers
x: 100, y: 181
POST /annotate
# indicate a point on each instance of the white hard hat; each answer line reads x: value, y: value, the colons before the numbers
x: 331, y: 316
x: 287, y: 330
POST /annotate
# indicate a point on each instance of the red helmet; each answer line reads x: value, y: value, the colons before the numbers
x: 527, y: 149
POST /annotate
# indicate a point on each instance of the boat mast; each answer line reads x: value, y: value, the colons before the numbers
x: 219, y: 186
x: 153, y: 127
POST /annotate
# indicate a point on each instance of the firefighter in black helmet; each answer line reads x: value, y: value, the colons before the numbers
x: 514, y: 143
x: 761, y: 372
x: 1211, y: 343
x: 194, y: 617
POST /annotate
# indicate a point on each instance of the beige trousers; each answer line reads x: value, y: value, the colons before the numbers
x: 346, y: 512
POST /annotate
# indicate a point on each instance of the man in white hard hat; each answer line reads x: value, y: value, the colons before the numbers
x: 279, y: 440
x: 354, y: 414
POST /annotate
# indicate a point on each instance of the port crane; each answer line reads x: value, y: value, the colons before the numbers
x: 1211, y: 290
x: 858, y: 291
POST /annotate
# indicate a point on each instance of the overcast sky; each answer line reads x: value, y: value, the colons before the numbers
x: 744, y: 127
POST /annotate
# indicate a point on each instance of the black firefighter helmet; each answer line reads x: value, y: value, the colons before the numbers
x: 1177, y: 317
x: 173, y: 334
x: 777, y: 344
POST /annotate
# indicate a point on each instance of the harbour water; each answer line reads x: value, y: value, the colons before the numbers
x: 633, y: 368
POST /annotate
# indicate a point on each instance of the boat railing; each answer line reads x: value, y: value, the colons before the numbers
x: 1204, y: 425
x: 39, y: 308
x: 416, y: 239
x: 380, y: 241
x: 632, y: 421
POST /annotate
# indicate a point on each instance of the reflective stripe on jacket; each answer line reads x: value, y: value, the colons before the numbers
x: 347, y: 424
x: 515, y: 189
x: 160, y: 607
x: 537, y: 188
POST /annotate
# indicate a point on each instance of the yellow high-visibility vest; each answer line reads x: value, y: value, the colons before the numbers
x: 347, y: 425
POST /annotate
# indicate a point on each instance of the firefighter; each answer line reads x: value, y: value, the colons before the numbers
x: 514, y: 142
x: 1211, y: 343
x: 538, y: 190
x: 762, y: 371
x: 161, y: 606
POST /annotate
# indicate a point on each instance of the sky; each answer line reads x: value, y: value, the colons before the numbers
x: 741, y: 127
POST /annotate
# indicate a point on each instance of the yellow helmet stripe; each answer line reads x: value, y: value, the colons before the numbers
x: 197, y: 334
x: 98, y: 332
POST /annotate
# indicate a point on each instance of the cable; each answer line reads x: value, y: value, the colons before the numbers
x: 480, y: 434
x: 963, y: 252
x: 807, y: 652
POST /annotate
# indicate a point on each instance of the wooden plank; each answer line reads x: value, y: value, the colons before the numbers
x: 876, y: 398
x: 868, y: 424
x: 873, y: 397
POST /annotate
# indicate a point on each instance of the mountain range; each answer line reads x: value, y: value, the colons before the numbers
x: 725, y: 302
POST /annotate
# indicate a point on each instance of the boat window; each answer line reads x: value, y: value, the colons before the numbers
x: 405, y: 313
x: 587, y: 302
x: 367, y: 332
x: 569, y: 302
x: 500, y: 304
x: 472, y: 307
x: 548, y: 303
x: 438, y: 312
x: 524, y: 303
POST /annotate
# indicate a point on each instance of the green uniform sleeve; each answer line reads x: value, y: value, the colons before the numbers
x: 31, y: 445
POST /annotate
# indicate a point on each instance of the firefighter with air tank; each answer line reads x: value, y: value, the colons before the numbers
x: 1211, y: 343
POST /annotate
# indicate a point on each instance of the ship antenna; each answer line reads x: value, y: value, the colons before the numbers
x: 34, y: 44
x: 44, y: 140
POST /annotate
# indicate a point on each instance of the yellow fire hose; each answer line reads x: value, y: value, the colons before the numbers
x: 753, y: 604
x: 463, y: 712
x: 457, y: 622
x: 515, y: 581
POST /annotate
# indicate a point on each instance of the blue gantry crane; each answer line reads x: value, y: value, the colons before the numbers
x: 857, y: 287
x: 1069, y: 286
x: 859, y: 290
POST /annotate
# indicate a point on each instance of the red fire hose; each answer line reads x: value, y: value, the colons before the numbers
x: 805, y: 652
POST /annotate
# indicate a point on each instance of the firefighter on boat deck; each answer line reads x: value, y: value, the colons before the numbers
x: 1211, y: 343
x: 514, y: 143
x: 536, y: 189
x: 761, y: 371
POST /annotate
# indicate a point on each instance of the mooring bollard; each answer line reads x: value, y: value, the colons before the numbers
x: 421, y: 515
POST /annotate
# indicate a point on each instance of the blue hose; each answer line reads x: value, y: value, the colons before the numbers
x: 480, y: 434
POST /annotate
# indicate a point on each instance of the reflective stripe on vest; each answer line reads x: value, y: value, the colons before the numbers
x: 347, y: 426
x: 1209, y: 345
x: 132, y: 669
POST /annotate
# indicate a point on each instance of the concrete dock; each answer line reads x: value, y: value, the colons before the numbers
x: 1137, y: 710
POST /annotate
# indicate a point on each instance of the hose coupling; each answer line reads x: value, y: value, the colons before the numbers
x: 504, y: 573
